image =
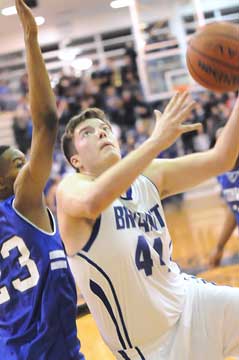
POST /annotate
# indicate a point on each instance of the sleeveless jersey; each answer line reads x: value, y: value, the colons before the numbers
x: 230, y: 190
x: 37, y: 292
x: 125, y: 273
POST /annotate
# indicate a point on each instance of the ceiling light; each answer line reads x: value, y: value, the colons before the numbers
x: 40, y: 20
x: 68, y: 53
x: 82, y: 64
x: 9, y: 11
x: 116, y: 4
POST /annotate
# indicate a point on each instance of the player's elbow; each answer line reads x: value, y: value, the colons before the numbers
x: 93, y: 208
x: 46, y: 120
x: 229, y: 165
x: 225, y: 163
x: 85, y: 207
x: 51, y: 120
x: 86, y: 204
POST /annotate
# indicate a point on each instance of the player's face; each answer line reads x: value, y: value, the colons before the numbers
x: 11, y: 163
x: 96, y: 145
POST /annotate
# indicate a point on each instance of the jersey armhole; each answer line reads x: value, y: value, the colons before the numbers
x: 93, y: 235
x: 50, y: 215
x: 152, y: 183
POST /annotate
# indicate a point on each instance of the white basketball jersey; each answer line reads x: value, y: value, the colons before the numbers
x: 125, y: 273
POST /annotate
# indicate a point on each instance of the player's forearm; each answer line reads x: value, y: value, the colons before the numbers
x: 228, y: 227
x: 227, y: 146
x: 117, y: 179
x: 42, y: 99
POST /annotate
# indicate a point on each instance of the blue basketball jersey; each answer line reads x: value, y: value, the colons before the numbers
x: 37, y: 292
x: 230, y: 190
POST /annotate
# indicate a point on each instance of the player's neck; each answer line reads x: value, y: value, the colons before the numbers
x: 96, y: 172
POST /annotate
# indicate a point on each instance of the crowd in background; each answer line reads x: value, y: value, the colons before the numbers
x: 118, y: 92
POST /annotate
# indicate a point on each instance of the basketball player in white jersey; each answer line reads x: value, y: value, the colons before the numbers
x: 114, y: 230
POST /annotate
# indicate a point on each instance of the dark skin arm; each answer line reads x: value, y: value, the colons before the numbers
x: 227, y: 230
x: 32, y: 179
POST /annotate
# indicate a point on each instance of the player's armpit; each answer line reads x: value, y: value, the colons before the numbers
x: 173, y: 176
x: 33, y: 177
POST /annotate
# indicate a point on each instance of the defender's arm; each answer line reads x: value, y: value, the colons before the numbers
x: 34, y: 175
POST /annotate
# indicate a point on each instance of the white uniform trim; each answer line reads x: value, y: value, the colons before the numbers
x: 56, y: 254
x: 33, y: 225
x: 61, y: 264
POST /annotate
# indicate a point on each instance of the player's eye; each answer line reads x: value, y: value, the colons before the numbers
x: 20, y: 164
x: 87, y: 133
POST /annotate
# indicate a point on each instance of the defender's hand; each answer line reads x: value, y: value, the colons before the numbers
x: 27, y: 19
x: 169, y: 125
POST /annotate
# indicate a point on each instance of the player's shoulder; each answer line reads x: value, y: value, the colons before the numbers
x: 71, y: 179
x: 72, y: 183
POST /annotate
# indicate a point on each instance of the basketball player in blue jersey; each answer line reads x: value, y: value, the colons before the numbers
x: 37, y: 292
x: 113, y: 226
x: 230, y: 192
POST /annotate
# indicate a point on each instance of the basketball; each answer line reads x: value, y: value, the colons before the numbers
x: 213, y: 56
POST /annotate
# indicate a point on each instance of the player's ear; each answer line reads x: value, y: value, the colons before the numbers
x: 75, y: 161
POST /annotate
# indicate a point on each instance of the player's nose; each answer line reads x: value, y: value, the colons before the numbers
x: 101, y: 133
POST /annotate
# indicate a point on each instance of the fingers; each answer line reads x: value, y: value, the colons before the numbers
x: 19, y: 3
x: 185, y: 112
x: 21, y: 6
x: 172, y: 102
x: 182, y: 99
x: 191, y: 127
x: 157, y: 114
x: 177, y: 101
x: 26, y: 18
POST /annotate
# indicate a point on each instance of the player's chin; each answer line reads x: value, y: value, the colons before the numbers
x: 112, y: 155
x: 111, y: 149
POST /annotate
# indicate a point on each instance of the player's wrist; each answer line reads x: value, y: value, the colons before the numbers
x: 31, y: 37
x: 155, y: 144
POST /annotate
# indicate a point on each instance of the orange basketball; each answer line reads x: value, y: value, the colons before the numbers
x: 213, y: 56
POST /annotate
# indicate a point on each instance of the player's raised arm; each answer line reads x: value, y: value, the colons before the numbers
x: 43, y: 111
x: 177, y: 175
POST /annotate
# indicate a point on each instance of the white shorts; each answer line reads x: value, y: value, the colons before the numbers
x: 208, y: 328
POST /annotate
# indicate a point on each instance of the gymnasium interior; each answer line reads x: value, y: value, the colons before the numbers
x: 126, y: 57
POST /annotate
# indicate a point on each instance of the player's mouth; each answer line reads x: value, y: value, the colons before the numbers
x: 106, y: 144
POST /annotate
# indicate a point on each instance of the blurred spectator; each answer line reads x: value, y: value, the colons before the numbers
x: 4, y: 94
x: 24, y: 85
x: 132, y: 56
x: 22, y: 126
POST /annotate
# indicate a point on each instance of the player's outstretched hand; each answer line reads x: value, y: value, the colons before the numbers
x: 27, y: 19
x: 169, y: 125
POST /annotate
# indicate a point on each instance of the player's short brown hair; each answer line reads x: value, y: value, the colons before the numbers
x: 67, y: 141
